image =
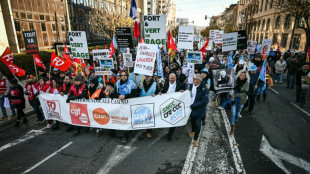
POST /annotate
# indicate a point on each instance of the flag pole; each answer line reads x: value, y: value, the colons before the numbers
x: 35, y: 67
x: 17, y: 79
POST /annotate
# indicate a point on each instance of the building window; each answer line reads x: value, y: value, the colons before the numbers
x: 287, y: 23
x: 253, y: 36
x: 266, y: 35
x: 266, y: 4
x: 43, y: 26
x: 23, y: 15
x: 263, y: 25
x: 31, y: 27
x: 261, y: 37
x: 271, y: 3
x: 29, y: 16
x: 284, y: 40
x: 261, y: 6
x: 275, y: 38
x: 15, y: 15
x: 296, y: 41
x: 63, y: 27
x: 41, y: 17
x: 17, y: 25
x: 258, y: 26
x: 278, y: 22
x: 257, y: 37
x: 54, y: 27
x: 268, y: 24
x: 61, y: 19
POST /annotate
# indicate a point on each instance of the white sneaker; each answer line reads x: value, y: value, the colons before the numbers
x: 220, y: 107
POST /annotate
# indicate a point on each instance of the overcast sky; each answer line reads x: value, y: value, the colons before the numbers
x: 197, y: 9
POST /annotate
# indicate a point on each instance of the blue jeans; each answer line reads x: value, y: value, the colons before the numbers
x: 196, y: 126
x: 278, y: 76
x: 4, y: 114
x: 224, y: 101
x: 36, y: 109
x: 235, y: 113
x: 291, y: 84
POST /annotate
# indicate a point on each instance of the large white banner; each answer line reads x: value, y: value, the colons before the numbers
x: 145, y: 59
x: 230, y: 41
x: 78, y: 42
x: 161, y: 111
x: 186, y: 37
x: 155, y: 29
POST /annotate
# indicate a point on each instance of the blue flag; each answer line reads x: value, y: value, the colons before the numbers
x: 262, y: 76
x: 159, y: 64
x: 258, y: 48
x: 242, y: 57
x: 230, y: 61
x: 114, y: 42
x: 133, y: 9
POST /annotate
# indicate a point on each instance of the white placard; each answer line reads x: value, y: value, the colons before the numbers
x: 212, y: 34
x: 155, y: 29
x: 97, y: 56
x: 145, y: 59
x: 161, y: 111
x: 186, y: 37
x: 266, y: 44
x: 218, y: 36
x: 127, y: 58
x: 251, y: 45
x: 209, y: 47
x: 230, y: 41
x: 78, y: 42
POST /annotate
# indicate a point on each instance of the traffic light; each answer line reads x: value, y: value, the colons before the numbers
x: 206, y: 17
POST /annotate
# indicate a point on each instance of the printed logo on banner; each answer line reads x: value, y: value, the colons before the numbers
x: 53, y: 109
x: 172, y: 111
x: 101, y: 116
x: 79, y: 115
x: 142, y: 115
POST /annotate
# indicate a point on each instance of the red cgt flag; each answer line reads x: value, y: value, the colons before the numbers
x: 59, y: 63
x: 170, y: 43
x: 7, y: 56
x: 278, y: 46
x: 16, y: 70
x: 111, y: 50
x: 38, y: 61
x: 204, y: 48
x: 136, y: 29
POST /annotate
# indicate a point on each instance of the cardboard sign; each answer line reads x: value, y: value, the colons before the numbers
x: 194, y: 57
x: 106, y: 63
x: 218, y: 37
x: 266, y: 44
x: 155, y: 29
x: 124, y: 37
x: 212, y: 34
x: 127, y: 58
x: 31, y: 42
x: 145, y: 59
x: 242, y: 40
x: 78, y: 42
x: 186, y: 37
x: 251, y: 45
x: 230, y: 41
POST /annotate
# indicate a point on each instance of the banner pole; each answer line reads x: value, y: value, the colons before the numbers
x: 35, y: 67
x: 128, y: 72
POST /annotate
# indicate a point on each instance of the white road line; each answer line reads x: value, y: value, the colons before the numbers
x: 189, y: 162
x: 274, y: 90
x: 27, y: 136
x: 235, y: 150
x: 47, y: 158
x: 300, y: 109
x: 118, y: 155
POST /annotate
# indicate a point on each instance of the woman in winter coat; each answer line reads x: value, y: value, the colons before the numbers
x: 280, y: 67
x: 16, y: 95
x: 241, y: 88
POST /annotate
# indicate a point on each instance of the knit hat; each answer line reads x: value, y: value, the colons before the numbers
x: 110, y: 84
x: 205, y: 70
x: 29, y: 76
x: 55, y: 69
x: 13, y: 81
x: 78, y: 78
x: 253, y: 68
x: 241, y: 62
x: 94, y: 80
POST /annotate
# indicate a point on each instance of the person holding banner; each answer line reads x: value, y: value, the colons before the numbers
x: 43, y: 86
x: 32, y: 92
x: 199, y: 100
x: 125, y: 89
x: 172, y: 86
x: 78, y: 91
x: 16, y: 96
x: 66, y: 86
x: 4, y: 91
x: 55, y: 89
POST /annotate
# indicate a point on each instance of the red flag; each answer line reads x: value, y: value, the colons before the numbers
x: 15, y: 69
x: 59, y: 63
x: 278, y: 46
x: 170, y: 43
x: 97, y: 48
x: 38, y: 61
x: 204, y: 48
x: 111, y: 50
x: 66, y: 55
x: 308, y: 56
x: 264, y: 55
x: 141, y: 40
x: 136, y: 30
x: 7, y: 56
x: 105, y: 46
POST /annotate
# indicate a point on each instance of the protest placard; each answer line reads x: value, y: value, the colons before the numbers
x: 218, y: 36
x: 251, y: 45
x: 31, y: 42
x: 155, y: 29
x: 127, y: 58
x: 194, y: 57
x: 266, y: 44
x: 186, y: 37
x: 242, y: 40
x: 212, y: 34
x: 78, y: 42
x: 230, y: 41
x: 145, y: 59
x: 124, y: 37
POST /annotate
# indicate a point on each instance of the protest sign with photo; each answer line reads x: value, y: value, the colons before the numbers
x: 251, y: 45
x: 162, y: 111
x: 145, y: 59
x: 127, y: 58
x: 124, y: 37
x: 223, y: 80
x: 230, y: 41
x: 31, y: 42
x: 242, y: 40
x: 194, y: 57
x: 78, y: 42
x: 186, y: 37
x: 106, y: 63
x: 155, y: 29
x: 99, y: 55
x: 266, y: 44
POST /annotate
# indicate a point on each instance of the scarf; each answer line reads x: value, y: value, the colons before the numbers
x: 239, y: 84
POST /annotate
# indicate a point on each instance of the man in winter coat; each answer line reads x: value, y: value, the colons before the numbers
x: 4, y: 91
x: 16, y: 95
x: 301, y: 92
x: 280, y: 67
x: 254, y: 83
x: 292, y: 67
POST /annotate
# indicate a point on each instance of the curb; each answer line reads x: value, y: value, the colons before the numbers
x: 27, y: 113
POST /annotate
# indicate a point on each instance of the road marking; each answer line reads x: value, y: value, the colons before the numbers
x: 118, y: 155
x: 190, y: 157
x: 232, y: 142
x: 47, y: 158
x: 300, y: 109
x: 274, y: 90
x: 27, y: 136
x: 276, y: 156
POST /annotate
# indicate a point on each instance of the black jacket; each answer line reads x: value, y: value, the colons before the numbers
x: 179, y: 86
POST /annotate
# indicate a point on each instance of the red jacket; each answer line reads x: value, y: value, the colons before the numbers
x: 31, y: 90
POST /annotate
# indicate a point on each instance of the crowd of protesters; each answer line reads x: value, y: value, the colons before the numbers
x: 177, y: 76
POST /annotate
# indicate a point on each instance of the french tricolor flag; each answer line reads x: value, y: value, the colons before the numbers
x: 133, y: 15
